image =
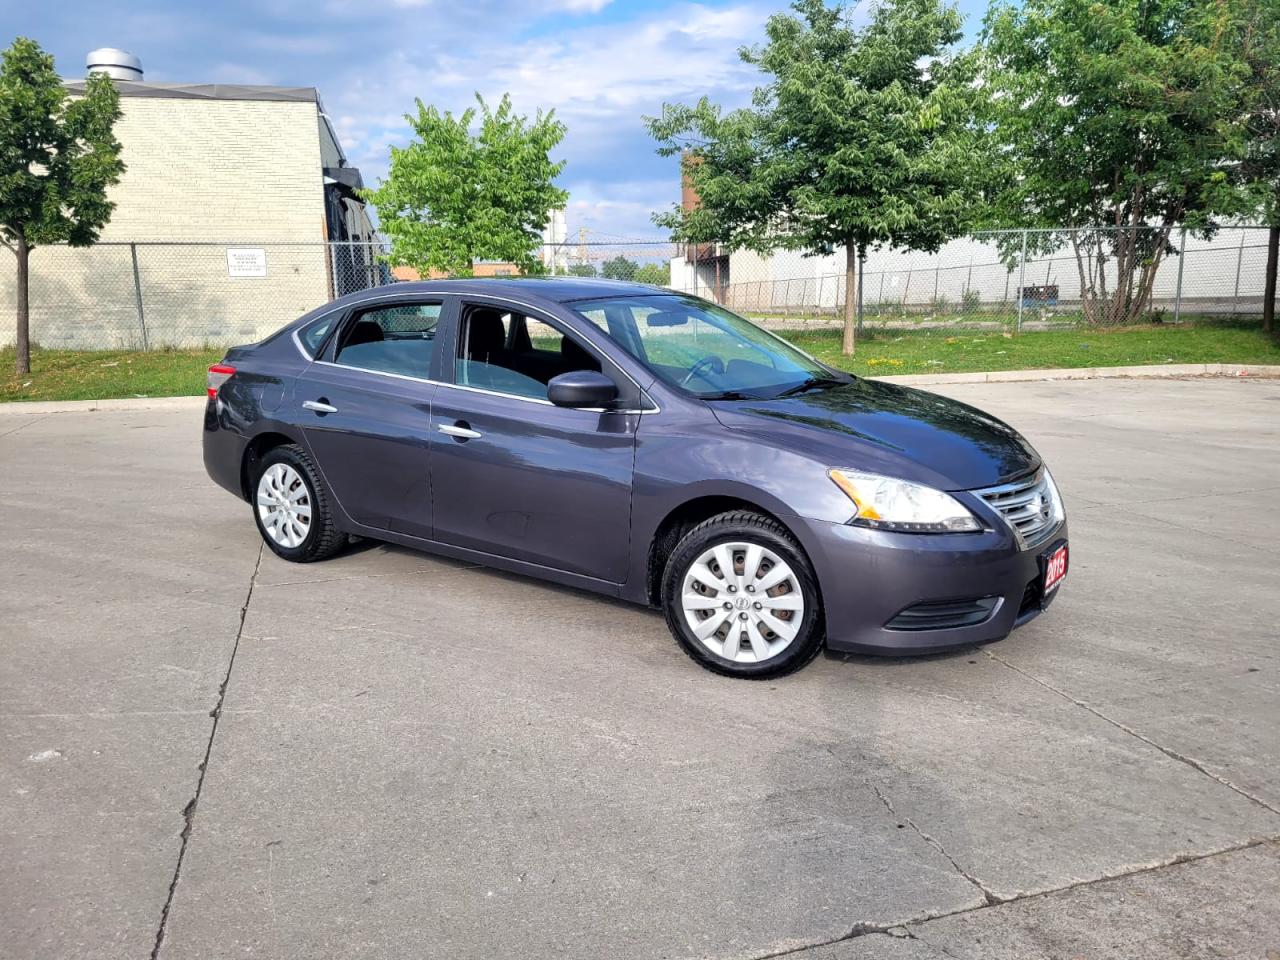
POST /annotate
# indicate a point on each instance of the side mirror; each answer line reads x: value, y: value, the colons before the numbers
x: 582, y: 388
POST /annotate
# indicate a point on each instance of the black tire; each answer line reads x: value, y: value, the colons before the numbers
x: 743, y: 526
x: 323, y: 539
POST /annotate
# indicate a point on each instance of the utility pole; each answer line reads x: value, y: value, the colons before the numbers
x: 1182, y: 262
x: 1022, y: 279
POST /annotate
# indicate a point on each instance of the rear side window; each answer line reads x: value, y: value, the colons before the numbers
x: 313, y: 335
x: 397, y: 339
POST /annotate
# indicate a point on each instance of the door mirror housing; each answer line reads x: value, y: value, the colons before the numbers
x: 582, y: 388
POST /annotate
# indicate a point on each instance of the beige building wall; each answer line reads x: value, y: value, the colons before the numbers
x: 222, y: 170
x: 202, y: 176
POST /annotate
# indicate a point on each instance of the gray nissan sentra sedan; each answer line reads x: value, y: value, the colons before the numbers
x: 648, y: 445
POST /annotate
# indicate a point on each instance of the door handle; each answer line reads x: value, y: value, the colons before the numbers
x: 459, y: 432
x: 319, y: 406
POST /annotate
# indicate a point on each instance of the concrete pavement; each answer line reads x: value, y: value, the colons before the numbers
x: 208, y: 752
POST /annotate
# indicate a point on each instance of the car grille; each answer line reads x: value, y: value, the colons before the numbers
x: 1028, y: 505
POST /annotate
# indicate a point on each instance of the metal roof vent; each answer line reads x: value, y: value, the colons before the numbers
x: 116, y: 64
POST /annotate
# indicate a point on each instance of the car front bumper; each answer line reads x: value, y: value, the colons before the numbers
x: 868, y: 577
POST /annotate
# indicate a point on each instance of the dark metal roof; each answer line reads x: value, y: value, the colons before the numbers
x: 347, y: 177
x: 553, y: 289
x: 207, y: 91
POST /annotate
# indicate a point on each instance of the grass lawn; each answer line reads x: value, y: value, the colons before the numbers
x: 100, y: 375
x: 887, y: 353
x: 106, y: 374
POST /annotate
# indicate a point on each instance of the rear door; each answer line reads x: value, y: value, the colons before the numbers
x: 514, y: 475
x: 365, y: 409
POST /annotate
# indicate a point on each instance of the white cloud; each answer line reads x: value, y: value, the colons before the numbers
x: 600, y: 71
x: 617, y: 209
x: 601, y: 79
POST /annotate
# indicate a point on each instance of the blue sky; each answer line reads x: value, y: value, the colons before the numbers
x: 602, y: 64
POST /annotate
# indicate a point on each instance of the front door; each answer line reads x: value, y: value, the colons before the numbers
x: 365, y: 410
x: 514, y: 475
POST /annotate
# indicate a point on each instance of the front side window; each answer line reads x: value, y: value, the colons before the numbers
x: 396, y: 339
x: 508, y: 352
x: 702, y: 348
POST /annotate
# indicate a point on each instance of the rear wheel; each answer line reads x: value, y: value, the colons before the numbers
x: 291, y: 507
x: 741, y: 599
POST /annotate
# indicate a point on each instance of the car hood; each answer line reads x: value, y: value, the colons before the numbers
x: 882, y: 427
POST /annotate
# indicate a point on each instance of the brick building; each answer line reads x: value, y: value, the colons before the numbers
x: 221, y: 221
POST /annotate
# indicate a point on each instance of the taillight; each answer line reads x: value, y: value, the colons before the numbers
x: 219, y: 374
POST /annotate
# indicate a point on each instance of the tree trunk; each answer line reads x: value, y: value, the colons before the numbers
x: 850, y: 297
x: 1088, y: 302
x: 1147, y: 277
x: 23, y: 342
x: 1269, y: 288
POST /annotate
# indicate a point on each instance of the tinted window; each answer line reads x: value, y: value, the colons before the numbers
x: 396, y: 339
x: 700, y: 347
x: 508, y: 352
x: 313, y: 335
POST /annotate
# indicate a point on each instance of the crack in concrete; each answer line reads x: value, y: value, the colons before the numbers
x: 23, y: 426
x: 934, y: 842
x: 903, y: 928
x: 1168, y: 752
x: 189, y: 811
x: 895, y: 930
x: 987, y: 895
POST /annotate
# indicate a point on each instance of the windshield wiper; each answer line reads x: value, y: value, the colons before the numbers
x: 729, y: 395
x: 811, y: 384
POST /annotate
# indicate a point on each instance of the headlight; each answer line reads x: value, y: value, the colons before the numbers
x: 887, y: 503
x: 1055, y: 498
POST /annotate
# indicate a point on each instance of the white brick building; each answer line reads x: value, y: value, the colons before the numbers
x: 257, y: 170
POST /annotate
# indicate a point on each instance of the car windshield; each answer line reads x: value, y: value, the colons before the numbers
x: 704, y: 349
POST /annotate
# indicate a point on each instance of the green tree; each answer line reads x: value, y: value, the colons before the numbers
x: 454, y: 196
x: 582, y: 270
x: 58, y: 156
x: 658, y: 274
x: 1260, y: 169
x: 1120, y: 114
x: 619, y: 268
x: 860, y: 137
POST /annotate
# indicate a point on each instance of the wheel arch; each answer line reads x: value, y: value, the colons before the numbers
x: 254, y: 451
x: 687, y: 515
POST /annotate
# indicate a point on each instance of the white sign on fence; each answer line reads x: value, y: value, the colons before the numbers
x: 246, y: 262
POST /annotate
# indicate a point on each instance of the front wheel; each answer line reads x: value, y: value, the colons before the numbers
x: 291, y: 507
x: 741, y: 599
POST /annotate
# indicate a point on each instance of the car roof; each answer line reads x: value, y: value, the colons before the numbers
x: 549, y: 289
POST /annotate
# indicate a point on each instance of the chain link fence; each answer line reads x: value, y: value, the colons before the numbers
x: 151, y: 296
x: 155, y: 296
x: 998, y: 280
